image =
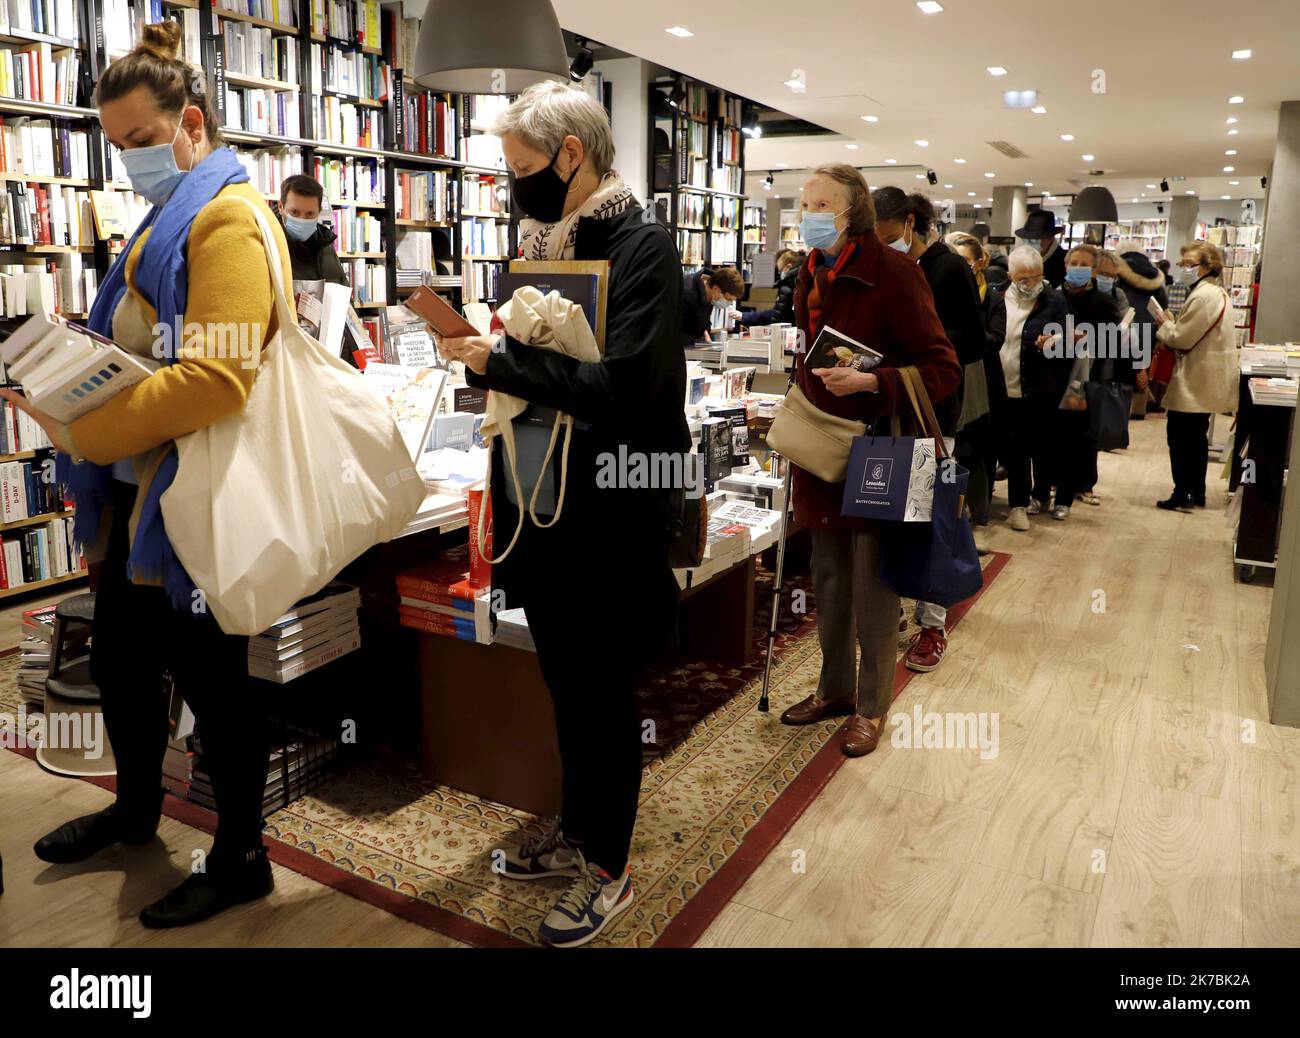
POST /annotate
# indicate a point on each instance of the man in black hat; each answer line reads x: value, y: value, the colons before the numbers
x: 1041, y: 230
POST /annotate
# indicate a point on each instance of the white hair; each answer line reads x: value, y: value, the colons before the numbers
x: 1026, y: 257
x: 547, y: 112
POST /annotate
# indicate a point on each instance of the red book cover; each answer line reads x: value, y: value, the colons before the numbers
x: 480, y: 570
x: 43, y: 234
x: 430, y: 623
x: 466, y: 590
x: 4, y: 569
x: 439, y: 595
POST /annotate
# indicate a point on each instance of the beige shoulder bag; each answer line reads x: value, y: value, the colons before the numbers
x: 814, y: 440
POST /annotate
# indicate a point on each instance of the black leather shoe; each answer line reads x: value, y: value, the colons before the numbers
x: 1176, y: 503
x: 86, y: 836
x: 1198, y: 500
x: 204, y: 894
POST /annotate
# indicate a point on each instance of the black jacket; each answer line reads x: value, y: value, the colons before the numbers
x: 1041, y: 377
x: 1141, y: 282
x: 957, y: 302
x: 1090, y: 307
x: 782, y: 311
x: 697, y: 311
x: 315, y: 258
x: 1054, y: 266
x: 632, y: 399
x: 994, y: 310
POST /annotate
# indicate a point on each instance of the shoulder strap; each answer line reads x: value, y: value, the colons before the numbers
x: 916, y: 390
x: 1222, y: 310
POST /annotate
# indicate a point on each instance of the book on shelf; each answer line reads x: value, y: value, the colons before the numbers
x: 30, y: 554
x: 64, y: 284
x: 29, y: 488
x: 67, y: 370
x: 347, y: 71
x: 428, y: 196
x: 252, y: 50
x: 438, y: 597
x: 46, y: 214
x: 48, y: 17
x: 44, y: 147
x: 479, y: 280
x: 350, y: 180
x: 282, y: 12
x: 39, y: 72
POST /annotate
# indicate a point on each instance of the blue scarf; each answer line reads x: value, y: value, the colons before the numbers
x: 162, y: 277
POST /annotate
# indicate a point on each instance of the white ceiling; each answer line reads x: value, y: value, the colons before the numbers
x: 1168, y: 75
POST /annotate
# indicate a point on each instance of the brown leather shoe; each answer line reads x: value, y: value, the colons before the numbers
x: 812, y: 710
x: 862, y: 734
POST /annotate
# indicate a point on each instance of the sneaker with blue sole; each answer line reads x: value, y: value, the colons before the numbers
x: 540, y: 857
x: 583, y: 911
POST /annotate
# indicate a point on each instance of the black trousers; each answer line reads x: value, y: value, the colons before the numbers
x: 1188, y: 433
x: 138, y: 637
x: 1073, y: 455
x: 1027, y: 450
x: 590, y: 654
x: 974, y: 451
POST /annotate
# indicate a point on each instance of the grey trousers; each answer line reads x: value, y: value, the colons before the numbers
x: 855, y: 610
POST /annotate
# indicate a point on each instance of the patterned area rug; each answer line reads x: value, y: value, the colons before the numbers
x: 719, y: 791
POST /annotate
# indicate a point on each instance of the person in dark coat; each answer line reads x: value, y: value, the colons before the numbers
x: 781, y: 311
x: 311, y: 243
x: 611, y: 538
x: 1042, y: 230
x: 1034, y: 383
x: 1093, y: 312
x: 1141, y: 281
x: 702, y: 290
x: 878, y: 297
x: 907, y: 220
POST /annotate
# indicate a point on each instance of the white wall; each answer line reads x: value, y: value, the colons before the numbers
x: 629, y: 79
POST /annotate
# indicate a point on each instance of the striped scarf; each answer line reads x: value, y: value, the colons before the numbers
x: 822, y: 277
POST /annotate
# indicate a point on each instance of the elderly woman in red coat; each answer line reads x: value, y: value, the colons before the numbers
x: 879, y: 297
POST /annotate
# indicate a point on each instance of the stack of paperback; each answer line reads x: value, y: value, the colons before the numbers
x: 67, y: 370
x: 314, y: 632
x: 290, y: 772
x: 512, y: 630
x: 439, y: 598
x: 38, y: 633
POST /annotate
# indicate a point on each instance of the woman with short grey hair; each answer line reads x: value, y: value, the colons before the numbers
x: 595, y: 584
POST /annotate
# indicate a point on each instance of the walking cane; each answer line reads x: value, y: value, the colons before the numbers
x: 776, y: 588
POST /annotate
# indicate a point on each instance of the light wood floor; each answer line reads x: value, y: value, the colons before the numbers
x: 1126, y: 805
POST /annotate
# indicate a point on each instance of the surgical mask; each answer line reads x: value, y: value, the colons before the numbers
x: 1028, y: 293
x: 818, y: 229
x: 153, y: 171
x: 1077, y: 277
x: 1186, y: 275
x: 1105, y: 284
x: 541, y: 195
x: 299, y: 229
x: 901, y: 245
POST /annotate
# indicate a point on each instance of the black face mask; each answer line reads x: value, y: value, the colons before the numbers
x: 541, y: 195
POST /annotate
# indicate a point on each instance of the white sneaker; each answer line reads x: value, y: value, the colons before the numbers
x: 539, y: 857
x: 1089, y: 498
x: 583, y: 911
x: 1035, y: 506
x: 1018, y: 519
x: 1061, y: 513
x: 982, y: 541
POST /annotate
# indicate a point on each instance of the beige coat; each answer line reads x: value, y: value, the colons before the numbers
x: 1207, y: 367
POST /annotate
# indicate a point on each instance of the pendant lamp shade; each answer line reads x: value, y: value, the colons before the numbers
x: 1094, y: 205
x: 489, y: 46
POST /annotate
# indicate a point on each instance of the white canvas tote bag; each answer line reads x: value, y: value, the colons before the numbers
x: 270, y: 503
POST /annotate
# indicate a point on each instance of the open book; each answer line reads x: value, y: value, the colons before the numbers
x: 834, y: 349
x: 67, y: 370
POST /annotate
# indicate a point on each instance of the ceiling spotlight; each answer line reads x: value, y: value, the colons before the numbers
x: 996, y: 70
x: 922, y: 144
x: 1135, y: 199
x: 769, y: 182
x: 871, y: 118
x: 1236, y: 99
x: 797, y: 85
x: 960, y: 162
x: 582, y: 61
x: 677, y: 95
x: 1164, y: 185
x: 978, y: 206
x: 932, y: 176
x: 1067, y: 136
x: 1241, y: 55
x: 680, y: 31
x: 1263, y: 181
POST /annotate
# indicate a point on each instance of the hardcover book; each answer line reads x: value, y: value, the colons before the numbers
x: 834, y: 349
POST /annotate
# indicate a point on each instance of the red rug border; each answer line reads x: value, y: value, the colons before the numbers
x: 685, y: 929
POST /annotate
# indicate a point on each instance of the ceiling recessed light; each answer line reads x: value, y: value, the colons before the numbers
x: 1236, y: 99
x: 947, y: 187
x: 1234, y: 183
x: 851, y: 147
x: 1229, y: 169
x: 871, y: 118
x: 1135, y: 199
x: 1231, y: 119
x: 990, y: 175
x: 1189, y: 192
x: 978, y: 206
x: 970, y: 194
x: 1029, y: 183
x: 797, y: 85
x: 784, y: 165
x: 1241, y: 55
x: 1067, y: 136
x: 1144, y: 194
x: 1232, y: 133
x: 1151, y: 186
x: 929, y: 6
x: 960, y: 162
x: 1038, y: 110
x: 1089, y: 158
x: 680, y: 31
x: 920, y: 176
x: 996, y: 70
x: 1231, y: 151
x: 1226, y: 198
x: 922, y: 144
x: 891, y: 162
x: 988, y: 200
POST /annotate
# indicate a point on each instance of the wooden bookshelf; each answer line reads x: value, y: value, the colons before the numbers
x: 235, y: 16
x: 36, y: 585
x: 40, y: 178
x: 35, y: 519
x: 243, y: 79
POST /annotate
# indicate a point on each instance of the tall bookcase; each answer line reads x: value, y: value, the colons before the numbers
x: 697, y: 171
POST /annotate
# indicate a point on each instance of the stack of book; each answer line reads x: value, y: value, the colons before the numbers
x: 439, y: 598
x: 1278, y: 391
x: 38, y: 635
x: 512, y: 630
x: 290, y: 772
x: 314, y: 632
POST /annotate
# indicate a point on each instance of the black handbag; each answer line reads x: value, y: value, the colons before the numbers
x: 1109, y: 404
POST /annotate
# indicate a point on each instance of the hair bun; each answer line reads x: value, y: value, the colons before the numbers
x: 161, y: 39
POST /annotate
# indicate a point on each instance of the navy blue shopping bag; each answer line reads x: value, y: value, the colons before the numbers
x: 936, y: 561
x: 879, y: 473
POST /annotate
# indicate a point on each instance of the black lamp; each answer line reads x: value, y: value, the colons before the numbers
x: 497, y: 48
x: 582, y: 61
x: 1094, y: 204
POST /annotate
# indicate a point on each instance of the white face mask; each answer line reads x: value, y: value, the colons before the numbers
x: 1186, y: 275
x: 903, y: 245
x: 1028, y: 293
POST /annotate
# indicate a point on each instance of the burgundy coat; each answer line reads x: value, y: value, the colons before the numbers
x: 880, y: 298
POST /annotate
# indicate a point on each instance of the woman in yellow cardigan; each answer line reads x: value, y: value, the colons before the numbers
x: 194, y: 275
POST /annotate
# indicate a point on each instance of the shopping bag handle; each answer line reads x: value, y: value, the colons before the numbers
x: 916, y: 393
